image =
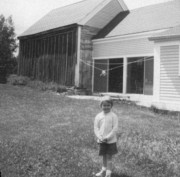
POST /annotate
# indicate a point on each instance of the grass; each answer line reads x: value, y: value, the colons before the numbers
x: 44, y: 134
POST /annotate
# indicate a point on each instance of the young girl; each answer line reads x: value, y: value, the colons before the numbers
x: 105, y: 128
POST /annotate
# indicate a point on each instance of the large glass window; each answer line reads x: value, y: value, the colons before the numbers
x: 140, y: 75
x: 116, y: 75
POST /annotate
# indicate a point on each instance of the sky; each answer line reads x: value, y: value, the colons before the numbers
x: 26, y: 12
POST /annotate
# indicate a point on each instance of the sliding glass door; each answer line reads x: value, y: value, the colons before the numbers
x: 140, y: 75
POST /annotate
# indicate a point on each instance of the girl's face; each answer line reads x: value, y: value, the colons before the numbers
x: 106, y: 107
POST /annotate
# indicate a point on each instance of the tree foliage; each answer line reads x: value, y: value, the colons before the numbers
x: 8, y: 45
x: 7, y: 39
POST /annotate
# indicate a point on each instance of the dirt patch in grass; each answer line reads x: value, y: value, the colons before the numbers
x: 44, y: 134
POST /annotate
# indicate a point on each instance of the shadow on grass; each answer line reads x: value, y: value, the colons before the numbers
x: 119, y: 175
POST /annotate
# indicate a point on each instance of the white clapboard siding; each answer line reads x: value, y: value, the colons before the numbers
x: 122, y: 48
x: 105, y: 15
x: 169, y: 70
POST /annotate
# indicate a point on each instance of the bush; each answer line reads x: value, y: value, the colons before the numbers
x: 47, y: 86
x: 163, y: 111
x: 17, y: 80
x: 23, y: 80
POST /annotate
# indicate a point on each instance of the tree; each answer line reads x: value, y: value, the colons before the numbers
x: 7, y: 42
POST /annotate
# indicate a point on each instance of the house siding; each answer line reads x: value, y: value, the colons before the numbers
x: 122, y: 48
x: 105, y: 15
x: 169, y: 73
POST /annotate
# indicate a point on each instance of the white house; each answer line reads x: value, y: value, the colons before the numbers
x: 144, y: 49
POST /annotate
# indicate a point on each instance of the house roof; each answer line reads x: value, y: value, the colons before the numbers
x: 76, y: 13
x: 170, y: 33
x: 149, y: 18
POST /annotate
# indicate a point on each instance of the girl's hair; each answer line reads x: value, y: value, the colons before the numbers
x: 106, y: 99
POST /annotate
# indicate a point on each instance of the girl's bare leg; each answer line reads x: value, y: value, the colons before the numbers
x: 109, y: 165
x: 104, y: 166
x: 105, y: 161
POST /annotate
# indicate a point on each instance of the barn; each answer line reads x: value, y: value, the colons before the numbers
x: 103, y: 46
x: 55, y: 47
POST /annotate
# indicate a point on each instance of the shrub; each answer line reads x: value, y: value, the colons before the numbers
x: 47, y: 86
x: 36, y: 84
x: 163, y: 111
x: 17, y: 80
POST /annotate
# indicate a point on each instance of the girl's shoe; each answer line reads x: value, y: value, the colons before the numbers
x: 103, y: 170
x: 108, y: 173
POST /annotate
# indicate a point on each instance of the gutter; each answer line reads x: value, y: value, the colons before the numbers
x: 164, y: 37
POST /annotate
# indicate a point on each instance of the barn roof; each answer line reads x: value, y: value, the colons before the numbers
x: 76, y: 13
x: 149, y: 18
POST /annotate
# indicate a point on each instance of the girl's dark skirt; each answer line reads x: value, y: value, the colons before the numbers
x: 109, y: 149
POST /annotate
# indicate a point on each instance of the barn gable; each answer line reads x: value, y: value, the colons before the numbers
x: 94, y: 13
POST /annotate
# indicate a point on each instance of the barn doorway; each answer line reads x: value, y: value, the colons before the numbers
x: 116, y: 75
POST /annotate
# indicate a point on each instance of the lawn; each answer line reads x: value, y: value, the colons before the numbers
x: 48, y: 135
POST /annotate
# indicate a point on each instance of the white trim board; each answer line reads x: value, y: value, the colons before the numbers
x: 127, y: 37
x: 123, y: 56
x: 167, y: 43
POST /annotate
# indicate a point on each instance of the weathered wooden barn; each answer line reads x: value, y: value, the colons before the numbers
x: 55, y: 47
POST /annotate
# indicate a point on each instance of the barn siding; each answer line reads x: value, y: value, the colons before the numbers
x: 49, y: 57
x: 86, y: 56
x: 122, y: 48
x: 169, y: 73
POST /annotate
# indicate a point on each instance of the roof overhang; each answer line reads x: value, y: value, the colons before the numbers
x: 48, y: 31
x: 123, y: 5
x: 98, y: 8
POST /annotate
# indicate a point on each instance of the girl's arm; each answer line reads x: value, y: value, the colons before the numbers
x: 114, y: 129
x: 96, y: 128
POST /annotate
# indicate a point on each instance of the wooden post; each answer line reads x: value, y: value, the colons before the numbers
x: 54, y: 61
x: 71, y: 58
x: 58, y: 59
x: 78, y: 50
x: 66, y: 61
x: 125, y: 63
x: 62, y: 59
x: 20, y: 56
